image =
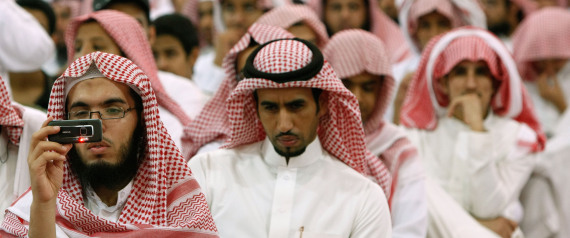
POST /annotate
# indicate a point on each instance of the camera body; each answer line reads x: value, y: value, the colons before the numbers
x: 77, y: 131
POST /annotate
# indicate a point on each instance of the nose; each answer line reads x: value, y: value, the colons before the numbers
x: 284, y: 122
x: 471, y: 81
x: 161, y: 63
x: 344, y: 13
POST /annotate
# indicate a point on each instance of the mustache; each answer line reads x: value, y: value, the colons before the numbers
x: 287, y: 133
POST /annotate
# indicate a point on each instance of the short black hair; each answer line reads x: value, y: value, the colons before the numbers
x: 180, y: 27
x: 42, y: 6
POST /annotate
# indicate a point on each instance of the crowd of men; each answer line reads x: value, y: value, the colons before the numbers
x: 286, y: 118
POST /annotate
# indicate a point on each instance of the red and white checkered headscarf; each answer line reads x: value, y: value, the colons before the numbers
x: 129, y: 35
x: 542, y: 35
x: 353, y: 52
x: 459, y: 12
x: 165, y: 199
x: 287, y: 15
x: 340, y: 130
x: 10, y: 115
x: 381, y: 26
x: 424, y: 103
x: 212, y: 124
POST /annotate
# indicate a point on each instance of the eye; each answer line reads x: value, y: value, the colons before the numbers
x: 81, y: 114
x: 114, y: 111
x: 270, y: 108
x: 295, y: 106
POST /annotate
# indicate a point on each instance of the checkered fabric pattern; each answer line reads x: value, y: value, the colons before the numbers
x: 459, y: 12
x: 355, y: 51
x: 10, y: 115
x: 381, y: 26
x: 340, y: 130
x: 424, y: 103
x: 287, y: 15
x: 129, y: 35
x: 165, y: 200
x: 542, y: 35
x: 212, y: 124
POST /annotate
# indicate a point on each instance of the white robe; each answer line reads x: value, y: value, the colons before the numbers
x: 207, y: 75
x: 25, y: 45
x: 14, y: 173
x: 409, y: 202
x: 252, y: 192
x: 482, y: 172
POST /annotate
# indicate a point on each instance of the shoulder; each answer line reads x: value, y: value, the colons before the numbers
x: 225, y: 157
x: 33, y: 118
x: 349, y: 180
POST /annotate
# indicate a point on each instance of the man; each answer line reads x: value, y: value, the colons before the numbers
x: 300, y: 20
x: 340, y: 15
x: 232, y: 18
x: 211, y: 127
x: 26, y: 46
x: 359, y: 59
x: 183, y: 92
x: 541, y: 52
x: 421, y: 20
x: 474, y: 126
x: 117, y: 33
x: 33, y: 88
x: 279, y: 176
x: 504, y: 16
x: 17, y: 123
x: 138, y: 9
x: 134, y: 181
x: 176, y: 46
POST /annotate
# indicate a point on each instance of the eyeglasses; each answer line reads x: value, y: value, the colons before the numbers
x: 105, y: 114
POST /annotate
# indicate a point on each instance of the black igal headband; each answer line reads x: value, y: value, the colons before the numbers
x: 302, y: 74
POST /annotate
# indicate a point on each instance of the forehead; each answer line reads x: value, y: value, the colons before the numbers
x: 345, y: 1
x: 469, y: 63
x: 96, y: 91
x: 284, y: 94
x: 166, y: 40
x: 238, y: 2
x: 432, y: 15
x: 91, y: 29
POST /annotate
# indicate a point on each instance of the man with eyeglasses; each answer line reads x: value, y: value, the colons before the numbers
x: 134, y: 181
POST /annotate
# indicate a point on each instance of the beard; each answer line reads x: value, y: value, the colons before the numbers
x: 289, y: 153
x: 104, y: 174
x: 501, y: 28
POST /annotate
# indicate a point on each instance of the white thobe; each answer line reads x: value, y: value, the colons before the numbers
x: 400, y: 70
x: 207, y: 75
x: 100, y: 209
x: 25, y: 45
x: 483, y: 172
x: 14, y: 173
x: 252, y: 192
x: 184, y: 91
x: 409, y: 202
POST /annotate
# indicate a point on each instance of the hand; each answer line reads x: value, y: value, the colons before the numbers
x: 550, y: 90
x: 45, y: 162
x: 468, y: 109
x: 224, y: 43
x: 401, y: 96
x: 502, y: 226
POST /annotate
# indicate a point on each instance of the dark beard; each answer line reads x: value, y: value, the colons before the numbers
x: 290, y: 153
x: 501, y: 29
x: 111, y: 176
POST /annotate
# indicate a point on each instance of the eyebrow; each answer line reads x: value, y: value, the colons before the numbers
x: 267, y: 103
x: 296, y: 101
x: 106, y: 102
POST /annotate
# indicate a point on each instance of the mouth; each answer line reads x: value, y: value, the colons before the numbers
x: 288, y: 140
x: 98, y: 148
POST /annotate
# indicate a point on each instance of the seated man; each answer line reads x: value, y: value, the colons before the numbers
x: 281, y: 177
x: 359, y: 59
x: 134, y: 181
x: 210, y: 129
x: 475, y: 128
x: 300, y: 20
x: 17, y: 123
x: 176, y: 46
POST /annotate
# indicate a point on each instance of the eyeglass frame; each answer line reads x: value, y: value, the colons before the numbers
x: 101, y: 116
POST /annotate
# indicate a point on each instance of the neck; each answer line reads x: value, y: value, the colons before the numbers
x: 108, y: 196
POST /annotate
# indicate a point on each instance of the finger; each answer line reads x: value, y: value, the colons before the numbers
x: 47, y: 146
x: 512, y: 224
x: 38, y: 166
x: 453, y: 106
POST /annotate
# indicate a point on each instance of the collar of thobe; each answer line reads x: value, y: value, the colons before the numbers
x: 312, y: 154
